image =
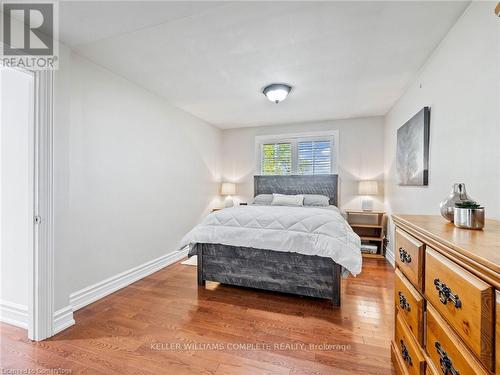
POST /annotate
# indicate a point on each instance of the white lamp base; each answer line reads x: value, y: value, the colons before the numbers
x: 367, y: 204
x: 228, y: 202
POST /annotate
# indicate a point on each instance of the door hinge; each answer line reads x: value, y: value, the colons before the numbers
x: 38, y: 219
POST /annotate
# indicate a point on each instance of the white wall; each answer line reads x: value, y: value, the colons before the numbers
x: 16, y: 185
x: 460, y: 82
x: 361, y: 155
x: 133, y: 174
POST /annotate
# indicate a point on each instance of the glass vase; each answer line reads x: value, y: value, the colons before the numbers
x: 457, y: 194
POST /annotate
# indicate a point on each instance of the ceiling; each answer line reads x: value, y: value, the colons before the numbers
x: 343, y: 59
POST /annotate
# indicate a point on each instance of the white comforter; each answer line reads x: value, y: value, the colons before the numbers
x: 306, y: 230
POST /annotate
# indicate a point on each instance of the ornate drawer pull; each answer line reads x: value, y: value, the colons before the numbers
x: 403, y: 302
x: 445, y: 294
x: 445, y: 361
x: 404, y: 256
x: 404, y: 353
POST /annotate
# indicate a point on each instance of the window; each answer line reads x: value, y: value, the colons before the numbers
x: 276, y: 159
x: 311, y: 154
x: 314, y: 157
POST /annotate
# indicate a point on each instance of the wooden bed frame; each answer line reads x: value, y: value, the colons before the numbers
x: 305, y: 275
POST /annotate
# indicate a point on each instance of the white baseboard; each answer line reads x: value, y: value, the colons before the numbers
x: 14, y: 314
x: 17, y: 315
x: 63, y: 319
x: 101, y: 289
x: 390, y: 257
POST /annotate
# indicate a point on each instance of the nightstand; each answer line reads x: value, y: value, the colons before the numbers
x: 369, y: 226
x: 220, y: 208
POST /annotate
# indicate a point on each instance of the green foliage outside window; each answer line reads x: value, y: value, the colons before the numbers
x: 277, y: 159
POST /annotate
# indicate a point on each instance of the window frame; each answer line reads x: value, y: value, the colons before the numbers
x: 294, y: 139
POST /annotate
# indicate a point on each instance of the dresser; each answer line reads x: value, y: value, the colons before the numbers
x: 447, y: 297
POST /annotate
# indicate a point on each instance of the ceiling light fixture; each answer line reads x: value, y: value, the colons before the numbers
x: 277, y: 92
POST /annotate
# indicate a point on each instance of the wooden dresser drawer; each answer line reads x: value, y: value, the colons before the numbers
x: 429, y: 368
x: 410, y: 304
x: 407, y: 348
x: 397, y: 361
x: 445, y: 348
x: 464, y: 301
x: 497, y: 333
x: 410, y: 257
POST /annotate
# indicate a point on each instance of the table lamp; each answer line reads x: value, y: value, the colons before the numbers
x: 228, y: 189
x: 367, y: 188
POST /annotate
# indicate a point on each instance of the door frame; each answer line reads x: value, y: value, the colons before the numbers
x: 41, y: 258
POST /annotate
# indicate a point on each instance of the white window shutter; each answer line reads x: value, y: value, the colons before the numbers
x: 314, y: 157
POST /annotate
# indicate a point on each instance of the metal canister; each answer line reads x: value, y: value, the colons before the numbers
x: 468, y: 218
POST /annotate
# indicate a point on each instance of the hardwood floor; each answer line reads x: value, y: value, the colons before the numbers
x: 142, y: 329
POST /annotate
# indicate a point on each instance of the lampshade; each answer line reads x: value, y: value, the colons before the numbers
x: 368, y: 188
x: 228, y: 188
x: 277, y: 92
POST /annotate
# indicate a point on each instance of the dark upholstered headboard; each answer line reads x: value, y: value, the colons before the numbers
x: 318, y: 184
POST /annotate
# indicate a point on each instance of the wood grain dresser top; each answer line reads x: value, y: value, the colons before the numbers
x: 480, y: 247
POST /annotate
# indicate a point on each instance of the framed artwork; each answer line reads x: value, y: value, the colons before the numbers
x: 412, y: 155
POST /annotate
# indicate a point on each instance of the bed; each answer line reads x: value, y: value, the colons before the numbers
x: 282, y: 249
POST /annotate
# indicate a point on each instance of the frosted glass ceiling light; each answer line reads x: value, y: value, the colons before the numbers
x: 277, y: 92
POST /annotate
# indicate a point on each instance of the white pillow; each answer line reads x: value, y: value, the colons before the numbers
x: 317, y: 201
x: 263, y: 199
x: 287, y: 200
